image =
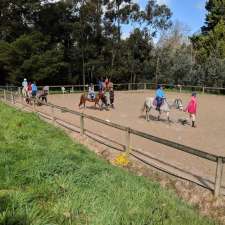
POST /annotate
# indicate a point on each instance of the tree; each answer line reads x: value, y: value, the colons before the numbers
x: 174, y: 53
x: 209, y: 45
x: 216, y: 14
x: 16, y: 17
x: 31, y: 56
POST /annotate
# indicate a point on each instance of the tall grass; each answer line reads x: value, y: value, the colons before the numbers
x: 47, y: 179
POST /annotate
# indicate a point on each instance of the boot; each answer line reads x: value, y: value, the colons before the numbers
x: 193, y: 124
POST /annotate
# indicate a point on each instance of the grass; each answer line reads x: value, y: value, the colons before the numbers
x: 47, y: 179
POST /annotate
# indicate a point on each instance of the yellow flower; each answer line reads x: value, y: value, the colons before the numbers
x: 121, y: 160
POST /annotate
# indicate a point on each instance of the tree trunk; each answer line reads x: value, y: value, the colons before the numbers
x: 83, y: 68
x: 118, y: 22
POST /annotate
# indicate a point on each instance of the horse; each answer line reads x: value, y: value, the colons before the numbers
x: 42, y: 95
x: 24, y: 92
x: 165, y: 107
x: 99, y: 96
x: 26, y: 95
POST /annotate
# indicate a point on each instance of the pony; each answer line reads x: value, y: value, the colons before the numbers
x: 42, y: 96
x: 25, y: 94
x: 98, y: 97
x: 165, y: 107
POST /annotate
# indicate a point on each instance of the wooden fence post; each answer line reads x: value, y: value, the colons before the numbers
x: 19, y: 90
x: 180, y: 88
x: 12, y: 98
x: 129, y: 86
x: 4, y: 94
x: 34, y: 109
x: 82, y: 124
x: 128, y: 141
x: 53, y: 115
x: 219, y: 174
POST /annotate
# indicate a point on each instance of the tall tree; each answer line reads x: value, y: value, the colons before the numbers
x: 209, y: 45
x: 16, y: 17
x: 216, y: 13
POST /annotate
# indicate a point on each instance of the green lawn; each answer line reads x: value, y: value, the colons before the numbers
x: 46, y: 178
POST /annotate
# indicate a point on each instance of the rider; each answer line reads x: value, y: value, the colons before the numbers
x: 160, y: 96
x: 24, y: 83
x: 91, y: 92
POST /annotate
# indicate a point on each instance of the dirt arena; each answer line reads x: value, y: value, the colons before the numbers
x: 209, y: 136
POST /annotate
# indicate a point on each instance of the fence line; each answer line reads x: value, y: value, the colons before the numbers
x: 219, y: 160
x: 53, y: 89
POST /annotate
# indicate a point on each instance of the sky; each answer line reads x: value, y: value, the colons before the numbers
x: 191, y: 13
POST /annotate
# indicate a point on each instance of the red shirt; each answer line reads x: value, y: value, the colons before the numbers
x: 29, y: 88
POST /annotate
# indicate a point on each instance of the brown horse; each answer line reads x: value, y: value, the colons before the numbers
x: 99, y: 96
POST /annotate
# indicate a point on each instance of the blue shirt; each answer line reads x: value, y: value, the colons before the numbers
x: 160, y: 93
x: 99, y: 85
x: 34, y: 87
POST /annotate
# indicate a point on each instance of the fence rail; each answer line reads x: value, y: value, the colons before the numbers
x: 219, y: 160
x: 55, y: 89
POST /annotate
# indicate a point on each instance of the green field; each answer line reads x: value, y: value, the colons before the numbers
x: 47, y: 179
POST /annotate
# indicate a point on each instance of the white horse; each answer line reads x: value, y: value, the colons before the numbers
x: 24, y: 92
x: 165, y: 107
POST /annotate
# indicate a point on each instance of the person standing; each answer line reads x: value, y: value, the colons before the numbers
x: 100, y: 85
x: 34, y: 89
x: 107, y: 89
x: 192, y: 108
x: 29, y: 89
x: 111, y: 94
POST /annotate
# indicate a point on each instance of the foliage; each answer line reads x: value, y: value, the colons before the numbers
x: 77, y: 41
x: 210, y: 44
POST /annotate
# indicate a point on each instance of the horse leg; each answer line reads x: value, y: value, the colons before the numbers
x: 96, y: 103
x: 159, y: 115
x: 168, y: 116
x: 147, y: 113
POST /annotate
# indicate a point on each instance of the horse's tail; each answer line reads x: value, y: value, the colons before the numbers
x: 144, y: 107
x: 81, y: 100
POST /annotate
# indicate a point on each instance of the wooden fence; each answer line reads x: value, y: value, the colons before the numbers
x: 128, y: 87
x: 219, y: 160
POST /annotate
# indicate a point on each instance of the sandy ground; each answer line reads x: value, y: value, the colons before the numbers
x: 209, y: 136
